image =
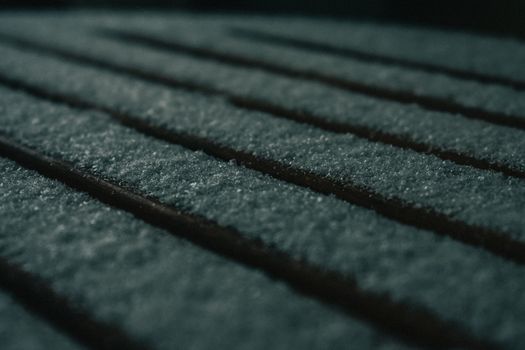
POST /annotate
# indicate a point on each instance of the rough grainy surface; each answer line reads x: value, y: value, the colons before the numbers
x: 168, y: 293
x: 211, y: 36
x: 461, y: 192
x: 160, y: 289
x: 489, y: 97
x: 453, y: 50
x: 410, y: 265
x: 21, y: 330
x: 441, y: 131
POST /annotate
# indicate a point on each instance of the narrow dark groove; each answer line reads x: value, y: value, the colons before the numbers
x: 38, y: 298
x: 495, y: 242
x: 370, y: 57
x: 385, y: 93
x: 409, y: 323
x: 261, y: 106
x: 26, y: 44
x: 400, y: 141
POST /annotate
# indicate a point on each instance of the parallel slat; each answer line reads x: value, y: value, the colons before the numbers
x: 368, y: 55
x: 381, y: 255
x: 493, y: 103
x: 495, y: 58
x: 449, y: 137
x: 410, y: 187
x: 161, y: 291
x: 141, y: 105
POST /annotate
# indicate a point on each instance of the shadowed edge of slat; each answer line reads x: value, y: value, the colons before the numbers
x: 397, y: 95
x: 368, y: 56
x: 41, y: 300
x: 275, y: 110
x: 408, y: 322
x: 498, y: 243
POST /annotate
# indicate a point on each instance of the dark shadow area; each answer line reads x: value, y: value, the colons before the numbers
x: 501, y: 18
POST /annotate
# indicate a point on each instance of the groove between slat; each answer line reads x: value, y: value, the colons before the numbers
x: 495, y: 242
x: 314, y: 46
x: 36, y: 296
x: 406, y: 97
x: 407, y: 322
x: 275, y: 110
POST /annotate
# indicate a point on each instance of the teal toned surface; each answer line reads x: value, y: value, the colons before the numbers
x: 155, y: 122
x: 158, y: 288
x: 20, y: 330
x: 384, y: 256
x: 391, y: 172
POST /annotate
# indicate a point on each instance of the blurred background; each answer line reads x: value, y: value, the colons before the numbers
x: 500, y: 18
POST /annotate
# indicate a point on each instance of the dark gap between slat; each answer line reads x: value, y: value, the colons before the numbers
x: 406, y: 97
x: 408, y: 322
x: 39, y: 299
x: 370, y: 57
x: 495, y: 242
x: 375, y: 136
x: 275, y: 110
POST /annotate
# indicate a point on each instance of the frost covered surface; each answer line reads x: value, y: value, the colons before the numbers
x: 160, y: 289
x: 140, y: 278
x: 477, y: 197
x: 490, y: 56
x: 440, y: 130
x: 455, y: 281
x: 21, y: 330
x: 211, y: 35
x: 493, y: 98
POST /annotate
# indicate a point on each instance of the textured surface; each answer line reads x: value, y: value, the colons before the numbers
x: 342, y: 237
x: 459, y: 51
x: 160, y: 289
x: 494, y: 98
x: 151, y: 278
x: 437, y: 130
x: 391, y: 172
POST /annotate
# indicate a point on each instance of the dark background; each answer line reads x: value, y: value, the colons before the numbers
x: 500, y: 18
